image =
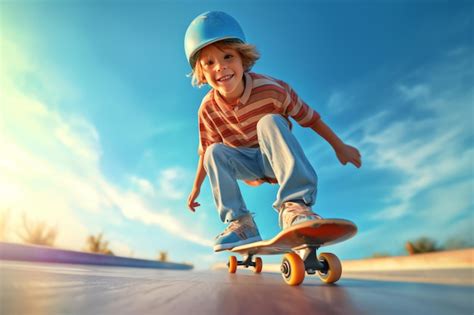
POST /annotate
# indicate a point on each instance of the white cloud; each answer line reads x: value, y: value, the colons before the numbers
x: 50, y: 168
x: 427, y: 148
x: 416, y: 92
x: 165, y: 127
x: 449, y: 201
x: 393, y: 212
x: 440, y: 213
x: 135, y: 207
x: 143, y: 185
x: 80, y: 137
x: 337, y: 102
x: 170, y: 182
x: 457, y: 51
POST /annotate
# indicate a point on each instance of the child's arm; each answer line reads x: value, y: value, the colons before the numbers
x: 345, y: 153
x: 200, y: 176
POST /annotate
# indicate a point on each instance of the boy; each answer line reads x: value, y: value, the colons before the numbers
x: 245, y: 132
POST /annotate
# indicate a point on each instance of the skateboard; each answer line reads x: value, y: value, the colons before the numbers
x: 299, y: 244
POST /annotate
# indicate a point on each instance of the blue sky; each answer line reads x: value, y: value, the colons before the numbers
x: 98, y: 126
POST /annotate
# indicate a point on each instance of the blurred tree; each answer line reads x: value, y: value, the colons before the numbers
x: 37, y: 232
x: 421, y: 245
x: 4, y: 218
x: 95, y: 244
x: 380, y: 255
x: 163, y: 256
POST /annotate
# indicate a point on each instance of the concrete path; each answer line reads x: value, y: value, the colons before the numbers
x: 33, y: 288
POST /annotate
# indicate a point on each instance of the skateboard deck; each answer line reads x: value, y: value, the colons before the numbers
x: 317, y: 233
x: 299, y: 244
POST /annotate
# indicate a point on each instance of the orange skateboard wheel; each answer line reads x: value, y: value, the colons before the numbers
x: 232, y: 264
x: 258, y: 265
x: 292, y: 269
x: 334, y: 268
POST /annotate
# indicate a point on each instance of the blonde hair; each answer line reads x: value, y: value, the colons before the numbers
x: 248, y: 53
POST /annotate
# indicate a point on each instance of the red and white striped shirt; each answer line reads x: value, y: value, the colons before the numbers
x: 236, y: 126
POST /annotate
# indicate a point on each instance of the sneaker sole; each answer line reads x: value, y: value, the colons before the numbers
x: 221, y: 247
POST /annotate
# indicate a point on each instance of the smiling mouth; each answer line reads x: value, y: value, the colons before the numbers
x: 225, y: 78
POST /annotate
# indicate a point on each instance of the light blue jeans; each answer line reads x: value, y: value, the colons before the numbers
x: 279, y: 156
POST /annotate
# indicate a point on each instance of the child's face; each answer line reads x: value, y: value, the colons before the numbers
x: 223, y: 71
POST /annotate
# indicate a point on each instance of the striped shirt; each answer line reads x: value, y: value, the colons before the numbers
x: 236, y: 125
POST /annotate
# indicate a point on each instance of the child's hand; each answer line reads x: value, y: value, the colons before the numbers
x: 347, y: 154
x: 192, y: 204
x: 256, y: 182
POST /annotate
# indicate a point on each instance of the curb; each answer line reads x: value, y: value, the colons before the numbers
x: 35, y: 253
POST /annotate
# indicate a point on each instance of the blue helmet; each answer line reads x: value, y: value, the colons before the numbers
x: 208, y: 28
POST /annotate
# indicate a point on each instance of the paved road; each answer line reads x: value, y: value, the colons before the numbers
x: 28, y: 288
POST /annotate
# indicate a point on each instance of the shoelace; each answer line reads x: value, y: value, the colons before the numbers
x: 291, y: 212
x: 233, y: 225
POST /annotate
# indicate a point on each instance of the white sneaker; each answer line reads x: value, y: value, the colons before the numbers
x: 239, y: 232
x: 292, y: 213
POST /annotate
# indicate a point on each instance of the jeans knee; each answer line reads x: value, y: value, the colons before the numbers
x: 214, y: 151
x: 270, y: 121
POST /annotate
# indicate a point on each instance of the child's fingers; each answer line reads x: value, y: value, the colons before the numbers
x: 357, y: 162
x: 193, y: 205
x: 190, y: 206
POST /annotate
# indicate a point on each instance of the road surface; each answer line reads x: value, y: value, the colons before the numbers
x: 34, y: 288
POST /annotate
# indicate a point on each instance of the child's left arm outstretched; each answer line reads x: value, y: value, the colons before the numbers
x: 199, y: 178
x: 345, y: 153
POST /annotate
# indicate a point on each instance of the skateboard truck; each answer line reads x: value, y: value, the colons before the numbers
x: 247, y: 262
x: 311, y: 263
x: 309, y: 255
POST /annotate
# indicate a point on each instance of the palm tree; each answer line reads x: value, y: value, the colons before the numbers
x: 163, y: 256
x: 37, y: 232
x: 421, y: 245
x: 95, y: 244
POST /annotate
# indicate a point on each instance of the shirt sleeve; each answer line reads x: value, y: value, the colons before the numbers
x: 297, y: 109
x: 207, y: 132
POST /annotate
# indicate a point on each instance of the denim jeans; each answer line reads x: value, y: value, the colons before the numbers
x: 279, y: 156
